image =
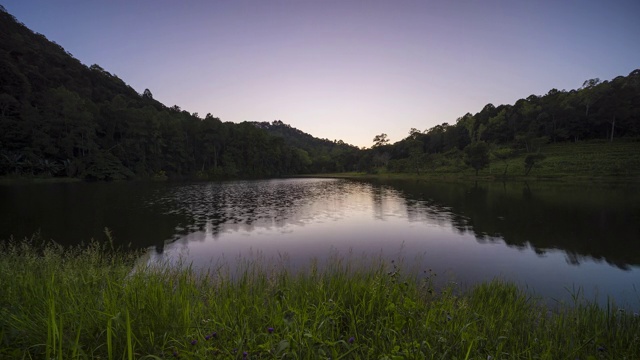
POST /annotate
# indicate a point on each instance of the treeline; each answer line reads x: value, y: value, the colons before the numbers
x: 598, y: 110
x: 325, y: 155
x: 59, y: 117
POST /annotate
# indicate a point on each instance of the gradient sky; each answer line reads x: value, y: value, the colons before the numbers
x: 344, y: 70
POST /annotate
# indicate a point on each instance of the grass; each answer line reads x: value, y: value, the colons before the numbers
x: 587, y: 160
x: 88, y: 303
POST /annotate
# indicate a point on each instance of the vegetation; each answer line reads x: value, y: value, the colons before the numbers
x: 530, y: 127
x: 61, y: 118
x: 583, y: 160
x: 88, y: 303
x: 321, y: 155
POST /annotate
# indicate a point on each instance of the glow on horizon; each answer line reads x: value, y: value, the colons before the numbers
x: 344, y: 70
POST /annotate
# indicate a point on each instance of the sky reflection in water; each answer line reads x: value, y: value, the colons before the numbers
x: 301, y: 219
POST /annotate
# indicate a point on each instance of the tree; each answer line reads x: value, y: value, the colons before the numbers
x: 589, y: 93
x: 530, y: 161
x: 416, y: 155
x: 380, y: 140
x: 147, y: 94
x: 476, y: 155
x: 503, y: 154
x: 414, y: 134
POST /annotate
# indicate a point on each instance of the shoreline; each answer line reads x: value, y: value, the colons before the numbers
x: 371, y: 311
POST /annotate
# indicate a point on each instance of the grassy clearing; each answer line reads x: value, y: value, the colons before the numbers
x: 588, y: 160
x: 87, y: 303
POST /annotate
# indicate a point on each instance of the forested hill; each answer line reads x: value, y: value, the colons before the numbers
x: 327, y: 155
x: 59, y: 117
x: 606, y: 110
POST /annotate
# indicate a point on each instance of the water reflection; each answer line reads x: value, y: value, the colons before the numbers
x: 547, y: 236
x: 591, y: 222
x: 73, y: 213
x: 244, y: 206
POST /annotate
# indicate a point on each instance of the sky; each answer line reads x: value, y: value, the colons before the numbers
x: 344, y: 70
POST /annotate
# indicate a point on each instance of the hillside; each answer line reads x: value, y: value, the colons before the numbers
x: 605, y: 111
x: 327, y: 155
x: 59, y: 117
x: 62, y: 118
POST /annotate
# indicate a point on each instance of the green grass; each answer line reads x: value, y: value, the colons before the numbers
x: 599, y: 158
x: 87, y: 302
x: 587, y: 160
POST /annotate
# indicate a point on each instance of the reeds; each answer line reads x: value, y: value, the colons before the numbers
x: 88, y: 302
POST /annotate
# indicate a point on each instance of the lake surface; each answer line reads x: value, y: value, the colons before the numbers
x: 553, y: 238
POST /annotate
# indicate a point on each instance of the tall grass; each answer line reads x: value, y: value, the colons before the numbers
x: 87, y: 302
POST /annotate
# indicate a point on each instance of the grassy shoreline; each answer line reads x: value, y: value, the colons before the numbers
x: 88, y: 303
x: 587, y: 161
x: 470, y: 178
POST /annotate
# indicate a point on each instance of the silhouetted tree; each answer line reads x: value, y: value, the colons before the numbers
x: 477, y: 155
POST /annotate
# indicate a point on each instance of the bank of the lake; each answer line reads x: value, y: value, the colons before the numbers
x: 594, y: 160
x: 10, y: 180
x: 88, y: 303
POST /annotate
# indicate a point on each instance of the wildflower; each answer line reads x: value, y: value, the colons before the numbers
x: 175, y: 354
x: 194, y: 341
x: 601, y: 348
x: 351, y: 340
x: 244, y: 354
x: 270, y: 330
x: 214, y: 334
x: 207, y: 337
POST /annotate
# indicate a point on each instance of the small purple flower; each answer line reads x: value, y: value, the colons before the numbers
x: 601, y: 348
x: 270, y: 330
x: 175, y: 354
x: 194, y: 341
x: 244, y: 354
x: 351, y: 340
x: 214, y: 334
x: 207, y: 337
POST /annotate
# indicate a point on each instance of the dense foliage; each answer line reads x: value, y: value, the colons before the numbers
x: 598, y: 110
x: 59, y: 117
x: 324, y: 155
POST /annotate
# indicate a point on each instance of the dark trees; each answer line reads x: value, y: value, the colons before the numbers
x: 530, y: 161
x: 61, y: 118
x: 476, y: 155
x: 380, y: 140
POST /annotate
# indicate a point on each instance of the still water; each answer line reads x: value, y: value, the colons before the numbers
x: 552, y: 238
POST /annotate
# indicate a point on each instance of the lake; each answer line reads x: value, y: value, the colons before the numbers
x: 554, y: 238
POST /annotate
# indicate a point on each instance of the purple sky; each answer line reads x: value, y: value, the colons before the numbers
x: 344, y: 69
